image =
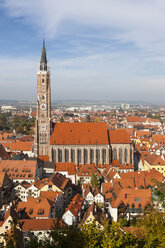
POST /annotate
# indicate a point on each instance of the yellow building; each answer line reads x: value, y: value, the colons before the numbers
x: 154, y: 162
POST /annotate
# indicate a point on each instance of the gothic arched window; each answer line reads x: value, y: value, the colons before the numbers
x: 104, y: 155
x: 126, y: 155
x: 115, y: 153
x: 131, y: 156
x: 91, y: 156
x: 54, y: 155
x: 59, y: 155
x: 120, y: 155
x: 98, y: 156
x: 66, y: 155
x: 73, y: 155
x: 79, y: 156
x: 85, y: 156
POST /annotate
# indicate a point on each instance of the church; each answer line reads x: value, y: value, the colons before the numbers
x: 80, y: 143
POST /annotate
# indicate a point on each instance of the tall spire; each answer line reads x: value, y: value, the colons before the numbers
x: 43, y: 61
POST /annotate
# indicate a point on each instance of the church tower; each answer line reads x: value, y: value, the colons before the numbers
x: 43, y: 108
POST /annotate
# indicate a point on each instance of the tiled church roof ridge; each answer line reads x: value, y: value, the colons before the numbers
x: 84, y: 133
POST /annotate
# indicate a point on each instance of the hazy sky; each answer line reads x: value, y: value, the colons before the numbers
x: 97, y: 49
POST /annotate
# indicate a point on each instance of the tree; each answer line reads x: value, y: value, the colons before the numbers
x: 13, y: 238
x: 158, y: 193
x: 93, y: 235
x: 95, y: 181
x: 88, y: 118
x: 61, y: 119
x: 153, y: 224
x: 64, y: 236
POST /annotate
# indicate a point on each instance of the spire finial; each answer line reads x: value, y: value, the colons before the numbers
x: 43, y: 62
x: 43, y: 37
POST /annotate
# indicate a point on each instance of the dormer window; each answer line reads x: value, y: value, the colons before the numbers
x: 40, y: 212
x: 30, y: 211
x: 140, y: 205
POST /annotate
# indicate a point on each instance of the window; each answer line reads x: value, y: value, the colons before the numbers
x: 131, y: 156
x: 104, y: 156
x: 91, y: 156
x: 137, y: 199
x: 120, y: 155
x: 133, y: 208
x: 30, y: 211
x: 66, y: 155
x: 126, y: 155
x: 40, y: 212
x: 40, y: 233
x: 54, y: 156
x: 97, y: 156
x: 140, y: 205
x: 115, y: 153
x: 85, y: 156
x: 50, y: 187
x: 43, y: 80
x: 72, y: 155
x: 59, y: 155
x: 79, y: 156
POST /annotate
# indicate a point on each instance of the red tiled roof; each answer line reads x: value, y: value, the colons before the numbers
x: 19, y: 169
x: 75, y: 204
x: 138, y: 179
x: 115, y: 163
x: 3, y: 153
x: 87, y: 170
x: 35, y: 207
x: 158, y: 138
x: 133, y: 196
x: 56, y: 179
x: 44, y: 158
x: 142, y: 133
x: 155, y: 160
x: 18, y: 146
x: 119, y: 136
x: 27, y: 138
x: 85, y: 133
x: 134, y: 119
x: 126, y: 166
x: 69, y: 167
x: 106, y: 187
x: 51, y: 195
x: 37, y: 224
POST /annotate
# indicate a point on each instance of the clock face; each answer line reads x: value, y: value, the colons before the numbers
x: 43, y: 106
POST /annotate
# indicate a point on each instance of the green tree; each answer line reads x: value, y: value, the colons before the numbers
x: 64, y: 236
x: 158, y: 193
x: 153, y: 223
x: 61, y: 119
x: 114, y: 237
x: 13, y: 238
x: 88, y: 118
x: 95, y: 181
x: 93, y: 235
